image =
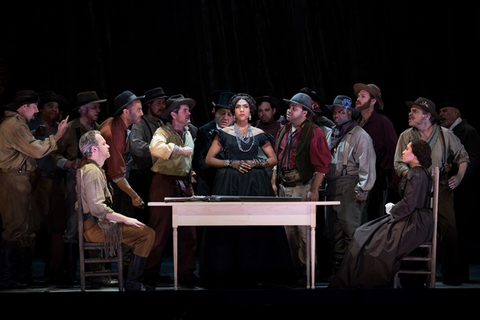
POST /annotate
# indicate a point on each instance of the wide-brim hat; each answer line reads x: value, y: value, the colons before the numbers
x: 22, y: 97
x: 317, y: 106
x: 223, y: 100
x: 344, y: 102
x: 154, y: 94
x: 302, y: 99
x: 274, y: 102
x: 87, y: 97
x: 374, y: 91
x: 175, y: 101
x: 425, y: 104
x: 46, y: 97
x: 449, y: 99
x: 123, y: 100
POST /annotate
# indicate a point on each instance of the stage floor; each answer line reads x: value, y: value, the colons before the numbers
x: 258, y: 302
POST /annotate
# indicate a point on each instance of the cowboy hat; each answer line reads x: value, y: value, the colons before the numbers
x: 302, y: 99
x: 123, y: 100
x: 344, y: 102
x: 154, y: 94
x: 425, y: 104
x: 22, y: 97
x: 87, y: 97
x: 175, y: 101
x: 373, y: 90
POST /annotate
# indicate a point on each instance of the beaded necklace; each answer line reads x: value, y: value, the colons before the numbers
x: 245, y: 138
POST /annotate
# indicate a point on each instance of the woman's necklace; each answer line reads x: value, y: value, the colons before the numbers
x: 245, y: 138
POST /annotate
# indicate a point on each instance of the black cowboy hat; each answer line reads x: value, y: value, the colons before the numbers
x: 123, y: 100
x: 22, y: 97
x: 154, y: 94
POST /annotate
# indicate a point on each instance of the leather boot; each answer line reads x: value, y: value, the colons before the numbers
x: 8, y: 252
x: 70, y: 255
x: 135, y: 272
x: 24, y: 268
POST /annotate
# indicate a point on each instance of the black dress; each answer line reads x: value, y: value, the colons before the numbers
x: 245, y: 255
x: 372, y: 258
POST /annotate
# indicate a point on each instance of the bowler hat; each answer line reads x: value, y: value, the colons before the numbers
x: 344, y: 102
x: 87, y: 97
x: 175, y: 101
x: 223, y: 100
x: 154, y: 94
x: 373, y: 90
x: 123, y: 100
x: 22, y: 97
x: 302, y: 99
x: 425, y: 104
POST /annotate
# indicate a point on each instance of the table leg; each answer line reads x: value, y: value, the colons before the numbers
x: 309, y: 258
x: 313, y: 257
x: 175, y: 258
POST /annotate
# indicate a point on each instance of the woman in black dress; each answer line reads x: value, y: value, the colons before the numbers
x: 372, y: 258
x: 243, y: 256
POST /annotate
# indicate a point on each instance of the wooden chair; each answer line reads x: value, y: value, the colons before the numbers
x: 84, y: 246
x: 429, y: 248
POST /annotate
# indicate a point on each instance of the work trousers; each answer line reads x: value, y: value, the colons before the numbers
x: 160, y: 220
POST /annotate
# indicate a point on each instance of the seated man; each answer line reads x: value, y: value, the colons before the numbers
x: 101, y: 223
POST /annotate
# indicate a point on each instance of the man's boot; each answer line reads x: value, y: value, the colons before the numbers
x: 8, y: 252
x: 70, y: 255
x: 24, y: 268
x: 135, y: 272
x: 99, y: 282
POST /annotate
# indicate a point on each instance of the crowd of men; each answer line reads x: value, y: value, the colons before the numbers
x: 347, y: 151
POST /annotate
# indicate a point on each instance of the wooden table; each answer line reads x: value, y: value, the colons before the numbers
x: 247, y: 213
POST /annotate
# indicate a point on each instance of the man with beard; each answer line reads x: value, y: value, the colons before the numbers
x: 303, y: 160
x: 68, y: 157
x: 115, y: 130
x: 350, y: 177
x: 380, y: 128
x: 172, y: 148
x: 268, y: 111
x: 18, y: 151
x: 140, y: 176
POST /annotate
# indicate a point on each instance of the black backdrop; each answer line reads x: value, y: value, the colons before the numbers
x: 408, y: 48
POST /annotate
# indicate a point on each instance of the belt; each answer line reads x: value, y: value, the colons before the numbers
x: 14, y: 170
x: 292, y: 184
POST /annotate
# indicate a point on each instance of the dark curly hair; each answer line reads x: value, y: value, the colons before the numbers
x: 423, y: 152
x: 245, y: 96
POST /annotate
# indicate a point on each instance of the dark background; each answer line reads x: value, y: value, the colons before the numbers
x: 408, y: 48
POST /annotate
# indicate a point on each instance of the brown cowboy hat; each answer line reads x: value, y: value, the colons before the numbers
x: 87, y: 97
x: 374, y: 91
x: 175, y: 101
x: 426, y: 104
